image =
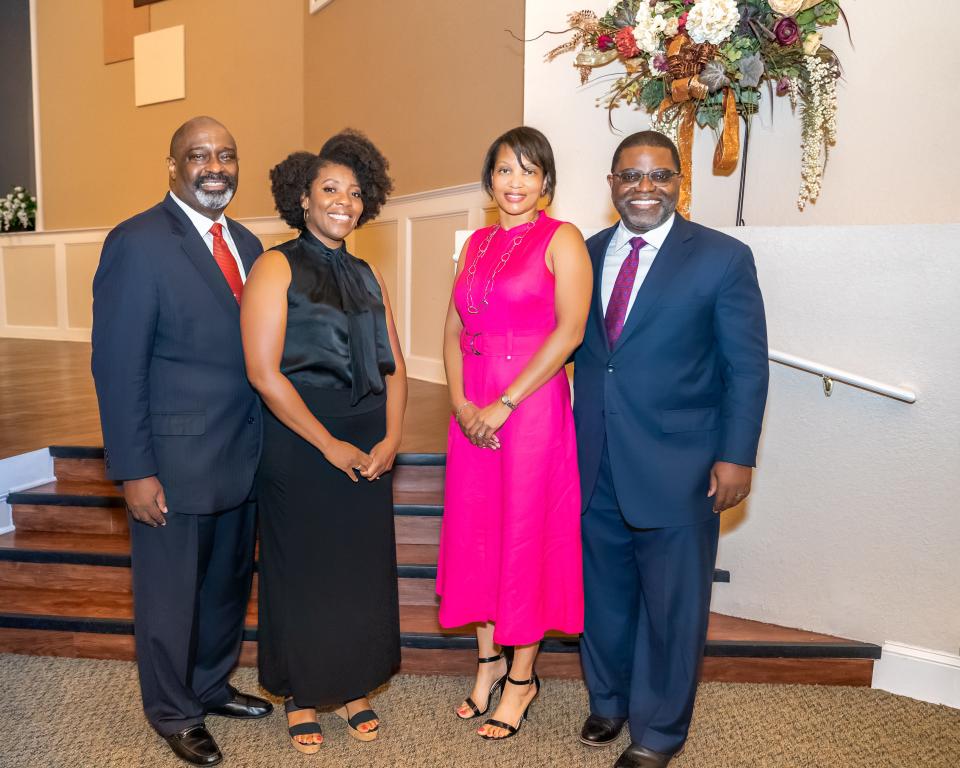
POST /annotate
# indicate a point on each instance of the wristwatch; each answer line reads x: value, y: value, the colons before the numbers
x: 505, y: 399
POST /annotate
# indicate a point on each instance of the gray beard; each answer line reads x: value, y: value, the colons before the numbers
x: 215, y: 201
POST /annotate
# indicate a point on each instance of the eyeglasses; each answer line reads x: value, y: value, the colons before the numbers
x: 660, y: 177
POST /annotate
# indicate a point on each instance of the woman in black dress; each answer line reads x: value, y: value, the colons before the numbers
x: 322, y: 350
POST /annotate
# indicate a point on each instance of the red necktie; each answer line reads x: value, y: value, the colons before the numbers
x: 620, y: 298
x: 228, y: 264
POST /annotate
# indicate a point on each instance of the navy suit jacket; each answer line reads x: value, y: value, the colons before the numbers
x: 168, y: 363
x: 686, y: 384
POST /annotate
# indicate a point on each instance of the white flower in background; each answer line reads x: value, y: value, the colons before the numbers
x: 811, y: 43
x: 660, y: 8
x: 786, y: 7
x: 672, y: 27
x: 712, y: 21
x: 648, y: 29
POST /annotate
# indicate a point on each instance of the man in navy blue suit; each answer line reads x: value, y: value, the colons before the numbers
x: 670, y: 386
x: 181, y: 431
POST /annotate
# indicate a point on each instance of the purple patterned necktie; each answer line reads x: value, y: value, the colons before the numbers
x: 620, y: 298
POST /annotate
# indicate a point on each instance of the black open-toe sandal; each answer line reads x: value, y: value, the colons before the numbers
x: 513, y: 730
x: 353, y: 723
x: 302, y: 729
x: 497, y: 686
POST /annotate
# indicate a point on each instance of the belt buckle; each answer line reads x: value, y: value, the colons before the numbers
x: 473, y: 338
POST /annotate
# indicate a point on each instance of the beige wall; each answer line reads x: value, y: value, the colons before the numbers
x: 30, y: 285
x: 103, y: 158
x: 432, y: 273
x: 431, y: 82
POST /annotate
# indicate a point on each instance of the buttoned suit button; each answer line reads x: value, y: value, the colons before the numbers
x: 250, y: 420
x: 609, y: 369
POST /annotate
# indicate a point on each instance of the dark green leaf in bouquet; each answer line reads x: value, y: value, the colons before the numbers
x: 653, y: 93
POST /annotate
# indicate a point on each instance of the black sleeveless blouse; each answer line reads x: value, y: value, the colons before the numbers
x: 336, y: 323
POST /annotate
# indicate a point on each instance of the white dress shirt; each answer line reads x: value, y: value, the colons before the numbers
x: 203, y: 224
x: 617, y: 253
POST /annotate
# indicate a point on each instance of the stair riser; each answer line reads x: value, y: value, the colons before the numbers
x: 42, y: 517
x: 410, y: 529
x: 416, y: 484
x: 109, y: 579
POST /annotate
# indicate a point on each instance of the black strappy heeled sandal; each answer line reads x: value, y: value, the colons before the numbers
x: 497, y: 686
x: 353, y: 723
x: 302, y: 729
x: 513, y: 730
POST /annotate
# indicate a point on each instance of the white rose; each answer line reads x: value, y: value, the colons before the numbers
x: 811, y: 43
x: 672, y: 27
x: 648, y: 30
x: 712, y: 21
x: 786, y: 7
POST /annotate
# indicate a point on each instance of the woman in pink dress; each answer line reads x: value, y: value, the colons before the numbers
x: 510, y: 557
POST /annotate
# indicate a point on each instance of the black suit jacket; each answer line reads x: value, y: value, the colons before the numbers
x: 168, y: 363
x: 686, y: 384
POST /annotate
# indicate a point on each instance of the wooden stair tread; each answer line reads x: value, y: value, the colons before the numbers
x: 55, y: 541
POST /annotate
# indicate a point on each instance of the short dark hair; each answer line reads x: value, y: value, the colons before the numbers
x: 646, y: 139
x: 526, y: 143
x: 291, y: 179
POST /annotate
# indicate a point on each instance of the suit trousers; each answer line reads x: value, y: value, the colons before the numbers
x: 191, y: 585
x: 647, y: 604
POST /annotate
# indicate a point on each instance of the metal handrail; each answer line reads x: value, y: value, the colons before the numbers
x: 830, y: 375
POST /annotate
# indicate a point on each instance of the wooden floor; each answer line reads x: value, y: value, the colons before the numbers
x: 47, y: 398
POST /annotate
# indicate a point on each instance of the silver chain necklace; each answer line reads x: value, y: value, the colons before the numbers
x: 472, y: 307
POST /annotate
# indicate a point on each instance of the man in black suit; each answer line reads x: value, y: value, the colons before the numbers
x: 181, y: 430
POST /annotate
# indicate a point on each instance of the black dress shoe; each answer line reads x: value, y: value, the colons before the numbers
x: 195, y: 745
x: 637, y: 756
x: 242, y: 706
x: 599, y: 731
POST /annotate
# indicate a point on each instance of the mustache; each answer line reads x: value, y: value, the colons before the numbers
x: 227, y: 179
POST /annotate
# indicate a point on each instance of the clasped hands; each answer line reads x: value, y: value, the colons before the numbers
x: 480, y: 425
x: 349, y: 459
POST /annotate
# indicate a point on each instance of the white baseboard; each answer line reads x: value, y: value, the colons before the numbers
x: 18, y: 473
x: 39, y: 333
x: 919, y: 673
x: 425, y: 369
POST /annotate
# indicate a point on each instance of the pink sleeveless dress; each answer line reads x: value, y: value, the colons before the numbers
x: 510, y: 536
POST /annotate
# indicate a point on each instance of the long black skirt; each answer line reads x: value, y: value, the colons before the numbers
x: 329, y: 625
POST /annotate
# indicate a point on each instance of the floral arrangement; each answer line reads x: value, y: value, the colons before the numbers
x: 706, y: 62
x: 18, y: 211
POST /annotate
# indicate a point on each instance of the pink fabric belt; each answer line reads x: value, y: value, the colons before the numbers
x: 502, y: 344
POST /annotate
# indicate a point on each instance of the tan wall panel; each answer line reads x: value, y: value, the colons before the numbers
x: 29, y: 273
x: 82, y: 260
x: 103, y: 158
x: 376, y: 243
x: 121, y: 22
x: 431, y: 82
x: 432, y: 278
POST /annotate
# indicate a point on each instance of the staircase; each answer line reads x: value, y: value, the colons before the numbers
x: 65, y: 589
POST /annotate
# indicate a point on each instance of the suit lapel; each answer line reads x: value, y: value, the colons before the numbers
x: 597, y: 254
x: 201, y: 258
x: 668, y: 261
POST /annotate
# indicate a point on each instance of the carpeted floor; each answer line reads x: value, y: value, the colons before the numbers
x: 74, y: 713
